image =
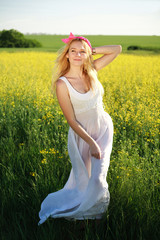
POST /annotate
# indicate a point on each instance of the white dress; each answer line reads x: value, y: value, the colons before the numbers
x: 85, y: 195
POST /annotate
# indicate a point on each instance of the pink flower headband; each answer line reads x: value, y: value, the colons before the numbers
x: 71, y: 36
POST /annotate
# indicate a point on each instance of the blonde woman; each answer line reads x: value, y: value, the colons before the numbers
x: 85, y: 194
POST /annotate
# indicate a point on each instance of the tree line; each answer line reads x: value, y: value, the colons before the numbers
x: 14, y: 39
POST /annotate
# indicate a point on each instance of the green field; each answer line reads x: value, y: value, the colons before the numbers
x: 52, y: 43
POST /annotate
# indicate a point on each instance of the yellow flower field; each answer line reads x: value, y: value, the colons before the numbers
x: 131, y: 84
x: 33, y: 138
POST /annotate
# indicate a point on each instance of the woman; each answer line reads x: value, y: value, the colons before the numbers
x: 85, y: 195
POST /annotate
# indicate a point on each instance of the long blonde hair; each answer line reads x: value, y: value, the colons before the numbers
x: 62, y: 65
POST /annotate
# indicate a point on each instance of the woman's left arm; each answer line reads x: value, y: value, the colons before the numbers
x: 110, y: 52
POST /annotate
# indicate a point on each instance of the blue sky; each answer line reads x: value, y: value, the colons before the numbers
x: 107, y: 17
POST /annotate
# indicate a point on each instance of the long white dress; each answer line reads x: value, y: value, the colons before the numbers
x: 85, y: 195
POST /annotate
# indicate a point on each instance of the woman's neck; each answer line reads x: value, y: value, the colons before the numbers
x: 75, y: 72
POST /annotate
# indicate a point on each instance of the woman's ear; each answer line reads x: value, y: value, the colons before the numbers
x: 67, y: 57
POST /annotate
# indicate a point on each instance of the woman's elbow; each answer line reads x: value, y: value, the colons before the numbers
x: 119, y: 48
x: 72, y: 122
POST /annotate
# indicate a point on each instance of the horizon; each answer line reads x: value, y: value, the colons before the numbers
x: 90, y: 34
x: 81, y: 34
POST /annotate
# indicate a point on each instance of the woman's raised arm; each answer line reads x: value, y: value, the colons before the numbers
x: 110, y: 52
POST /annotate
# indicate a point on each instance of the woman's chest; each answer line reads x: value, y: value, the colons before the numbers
x: 80, y: 86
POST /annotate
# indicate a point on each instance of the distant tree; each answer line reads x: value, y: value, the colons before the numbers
x: 133, y: 47
x: 13, y: 38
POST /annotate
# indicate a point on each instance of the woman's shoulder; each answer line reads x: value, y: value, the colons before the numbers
x: 61, y: 84
x: 62, y: 80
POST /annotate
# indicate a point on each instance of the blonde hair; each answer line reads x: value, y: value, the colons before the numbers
x: 62, y: 66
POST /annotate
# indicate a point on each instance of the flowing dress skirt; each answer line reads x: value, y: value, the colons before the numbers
x: 85, y: 194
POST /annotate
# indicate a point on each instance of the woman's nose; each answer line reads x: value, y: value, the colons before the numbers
x: 78, y: 54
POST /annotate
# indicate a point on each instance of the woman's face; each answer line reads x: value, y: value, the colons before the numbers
x: 77, y: 53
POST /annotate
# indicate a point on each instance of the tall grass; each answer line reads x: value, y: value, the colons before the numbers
x: 34, y: 160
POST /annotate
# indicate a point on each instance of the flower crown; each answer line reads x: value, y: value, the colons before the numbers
x: 71, y: 36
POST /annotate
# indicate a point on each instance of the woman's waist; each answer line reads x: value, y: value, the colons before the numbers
x: 96, y: 110
x: 86, y: 110
x: 92, y: 115
x: 94, y: 122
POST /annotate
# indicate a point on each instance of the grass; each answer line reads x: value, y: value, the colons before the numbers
x: 34, y: 159
x: 51, y: 43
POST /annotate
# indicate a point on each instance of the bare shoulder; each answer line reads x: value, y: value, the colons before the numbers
x: 60, y: 83
x: 61, y: 87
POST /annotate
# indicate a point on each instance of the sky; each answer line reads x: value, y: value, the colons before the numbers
x: 92, y: 17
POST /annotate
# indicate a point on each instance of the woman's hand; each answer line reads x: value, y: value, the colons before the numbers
x: 95, y: 150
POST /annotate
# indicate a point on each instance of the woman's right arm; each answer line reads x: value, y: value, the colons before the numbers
x: 67, y: 109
